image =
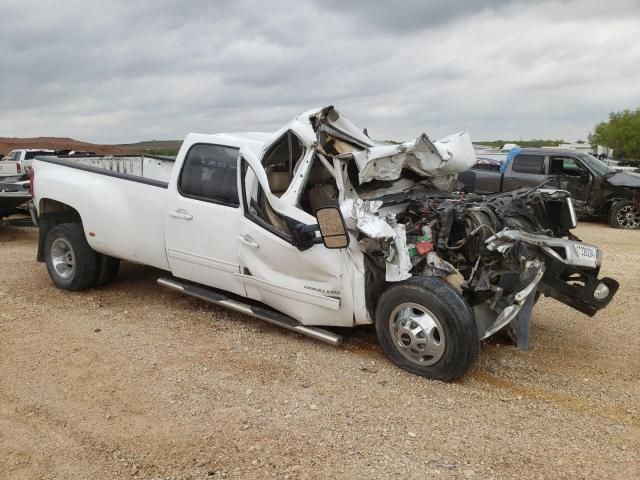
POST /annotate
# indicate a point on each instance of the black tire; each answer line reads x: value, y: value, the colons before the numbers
x: 624, y: 214
x: 81, y: 269
x: 459, y: 334
x: 107, y: 270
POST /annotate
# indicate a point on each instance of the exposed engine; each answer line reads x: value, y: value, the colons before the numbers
x: 494, y: 249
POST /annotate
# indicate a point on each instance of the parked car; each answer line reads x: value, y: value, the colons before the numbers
x: 596, y: 188
x: 318, y: 225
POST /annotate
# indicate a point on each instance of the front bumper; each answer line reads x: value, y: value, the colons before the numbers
x: 571, y: 269
x: 576, y: 287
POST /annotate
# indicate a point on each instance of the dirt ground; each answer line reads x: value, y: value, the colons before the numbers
x: 134, y: 381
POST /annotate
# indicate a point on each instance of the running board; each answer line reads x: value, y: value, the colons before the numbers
x: 263, y: 313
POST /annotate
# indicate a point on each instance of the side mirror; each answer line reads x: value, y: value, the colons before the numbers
x: 332, y: 229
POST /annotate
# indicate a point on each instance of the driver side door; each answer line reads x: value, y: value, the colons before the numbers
x: 571, y: 175
x: 310, y: 285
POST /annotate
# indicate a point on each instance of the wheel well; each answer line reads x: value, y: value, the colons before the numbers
x: 50, y: 214
x: 608, y: 203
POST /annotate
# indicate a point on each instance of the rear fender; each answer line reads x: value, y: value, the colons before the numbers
x: 52, y: 213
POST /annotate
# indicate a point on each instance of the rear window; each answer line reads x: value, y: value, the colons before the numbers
x: 210, y: 173
x: 32, y: 155
x: 529, y: 164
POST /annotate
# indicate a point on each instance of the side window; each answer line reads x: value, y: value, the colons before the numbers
x: 529, y: 164
x: 565, y: 166
x: 256, y: 206
x: 280, y: 162
x: 210, y: 173
x: 321, y: 189
x: 486, y: 164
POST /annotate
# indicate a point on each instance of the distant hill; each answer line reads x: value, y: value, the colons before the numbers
x: 152, y: 147
x: 56, y: 143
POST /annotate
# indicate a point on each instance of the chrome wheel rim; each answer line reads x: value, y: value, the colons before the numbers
x: 417, y: 334
x: 628, y: 217
x: 63, y: 258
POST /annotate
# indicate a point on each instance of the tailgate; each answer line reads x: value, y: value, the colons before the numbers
x: 8, y: 168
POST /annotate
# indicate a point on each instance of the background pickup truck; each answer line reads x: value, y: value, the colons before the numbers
x: 24, y: 156
x: 317, y: 225
x: 596, y: 189
x: 13, y: 191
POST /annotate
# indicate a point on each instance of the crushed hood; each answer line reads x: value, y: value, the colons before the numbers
x: 625, y: 179
x: 385, y: 160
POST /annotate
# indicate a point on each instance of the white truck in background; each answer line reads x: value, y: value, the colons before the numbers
x: 317, y: 225
x: 24, y: 157
x: 14, y: 189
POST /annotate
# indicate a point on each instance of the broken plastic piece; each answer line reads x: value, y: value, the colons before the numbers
x: 424, y: 247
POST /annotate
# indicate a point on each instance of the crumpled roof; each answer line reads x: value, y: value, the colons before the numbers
x: 385, y: 161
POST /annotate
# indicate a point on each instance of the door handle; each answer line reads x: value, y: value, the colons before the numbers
x: 180, y: 213
x: 248, y: 241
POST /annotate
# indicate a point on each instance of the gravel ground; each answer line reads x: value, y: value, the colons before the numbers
x: 134, y: 381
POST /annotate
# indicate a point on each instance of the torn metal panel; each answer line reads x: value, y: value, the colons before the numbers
x: 452, y: 155
x: 369, y: 222
x: 384, y: 161
x: 398, y: 262
x: 510, y: 312
x: 329, y: 122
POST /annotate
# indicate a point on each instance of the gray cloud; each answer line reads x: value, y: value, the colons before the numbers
x: 124, y: 71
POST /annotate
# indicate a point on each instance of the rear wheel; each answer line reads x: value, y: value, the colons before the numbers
x: 71, y: 262
x: 425, y: 327
x: 624, y: 214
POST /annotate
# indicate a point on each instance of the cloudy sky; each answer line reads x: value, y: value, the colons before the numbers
x: 120, y: 71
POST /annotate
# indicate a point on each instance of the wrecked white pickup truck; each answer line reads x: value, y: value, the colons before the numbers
x: 318, y: 225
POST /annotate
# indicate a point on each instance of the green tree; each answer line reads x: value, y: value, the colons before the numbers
x: 533, y: 143
x: 621, y: 132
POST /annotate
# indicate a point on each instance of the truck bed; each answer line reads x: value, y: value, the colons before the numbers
x: 156, y: 169
x: 121, y: 201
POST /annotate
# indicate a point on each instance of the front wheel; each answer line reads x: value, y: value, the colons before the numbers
x: 425, y: 327
x: 624, y: 214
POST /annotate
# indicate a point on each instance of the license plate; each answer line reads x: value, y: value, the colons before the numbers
x: 586, y: 252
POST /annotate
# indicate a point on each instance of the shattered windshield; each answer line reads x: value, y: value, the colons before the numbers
x: 596, y: 165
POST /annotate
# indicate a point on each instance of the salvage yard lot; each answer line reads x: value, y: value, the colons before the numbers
x: 134, y: 381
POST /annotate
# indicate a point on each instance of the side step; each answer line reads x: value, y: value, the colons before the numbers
x: 263, y: 313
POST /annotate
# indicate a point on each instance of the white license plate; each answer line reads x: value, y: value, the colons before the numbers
x: 586, y: 252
